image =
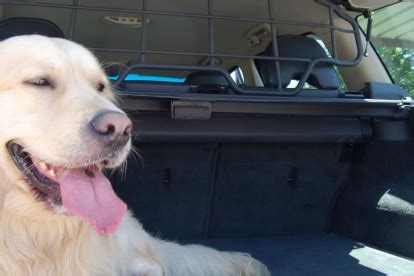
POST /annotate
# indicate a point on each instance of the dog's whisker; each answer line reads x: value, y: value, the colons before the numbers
x: 134, y: 153
x: 112, y: 172
x: 126, y: 168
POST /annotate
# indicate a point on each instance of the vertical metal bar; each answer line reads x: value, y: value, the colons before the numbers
x: 275, y: 48
x: 143, y: 30
x: 333, y: 38
x: 72, y: 21
x: 210, y: 33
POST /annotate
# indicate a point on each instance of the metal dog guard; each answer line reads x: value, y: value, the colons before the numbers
x: 332, y: 8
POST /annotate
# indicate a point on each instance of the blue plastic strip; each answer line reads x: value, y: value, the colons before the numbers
x: 136, y: 77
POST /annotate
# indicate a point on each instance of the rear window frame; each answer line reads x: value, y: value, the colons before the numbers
x: 363, y: 31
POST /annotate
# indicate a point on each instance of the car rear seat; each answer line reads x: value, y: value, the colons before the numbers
x: 323, y: 75
x: 23, y: 25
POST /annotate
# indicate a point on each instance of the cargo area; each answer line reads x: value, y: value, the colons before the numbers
x: 303, y: 208
x: 317, y: 255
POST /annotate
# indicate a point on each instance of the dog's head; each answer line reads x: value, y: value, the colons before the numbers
x: 60, y: 128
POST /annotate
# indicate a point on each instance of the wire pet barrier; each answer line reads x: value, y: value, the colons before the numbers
x: 212, y: 54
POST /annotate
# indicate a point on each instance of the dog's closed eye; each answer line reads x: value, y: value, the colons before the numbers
x: 41, y: 82
x: 101, y: 87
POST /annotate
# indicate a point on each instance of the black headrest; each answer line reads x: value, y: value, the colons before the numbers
x: 22, y: 25
x: 206, y: 78
x: 323, y: 75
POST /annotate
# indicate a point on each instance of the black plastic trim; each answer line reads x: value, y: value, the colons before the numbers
x: 252, y: 129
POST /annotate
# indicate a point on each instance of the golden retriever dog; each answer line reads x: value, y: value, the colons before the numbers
x: 59, y: 215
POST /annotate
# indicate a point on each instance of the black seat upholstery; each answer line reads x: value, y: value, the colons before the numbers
x: 206, y: 78
x: 323, y: 75
x: 207, y: 82
x: 22, y: 25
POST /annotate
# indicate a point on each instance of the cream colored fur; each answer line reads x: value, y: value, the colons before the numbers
x: 38, y: 240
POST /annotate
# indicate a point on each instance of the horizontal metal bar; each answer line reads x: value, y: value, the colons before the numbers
x: 179, y: 14
x: 258, y: 91
x: 253, y: 99
x: 154, y: 52
x: 325, y: 107
x: 233, y: 85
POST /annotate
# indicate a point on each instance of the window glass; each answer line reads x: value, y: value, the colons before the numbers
x: 237, y: 75
x: 393, y: 39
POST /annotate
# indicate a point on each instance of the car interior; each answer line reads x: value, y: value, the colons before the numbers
x: 267, y: 127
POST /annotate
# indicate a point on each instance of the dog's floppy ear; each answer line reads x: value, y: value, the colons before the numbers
x: 23, y: 26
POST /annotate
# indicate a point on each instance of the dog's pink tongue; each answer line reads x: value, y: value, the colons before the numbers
x: 89, y: 194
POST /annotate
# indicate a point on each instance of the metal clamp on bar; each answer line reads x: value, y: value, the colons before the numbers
x: 350, y: 6
x: 186, y: 110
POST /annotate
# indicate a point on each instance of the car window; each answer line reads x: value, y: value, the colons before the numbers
x: 237, y: 75
x: 393, y: 39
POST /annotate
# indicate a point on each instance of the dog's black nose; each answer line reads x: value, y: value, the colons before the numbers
x: 112, y: 127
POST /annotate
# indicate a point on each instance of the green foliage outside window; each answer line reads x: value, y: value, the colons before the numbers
x: 400, y: 64
x: 393, y: 38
